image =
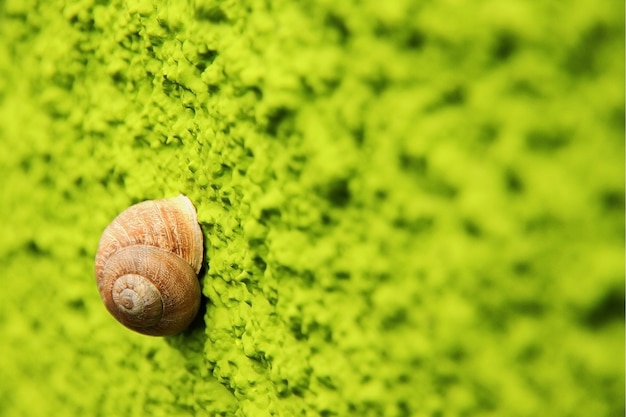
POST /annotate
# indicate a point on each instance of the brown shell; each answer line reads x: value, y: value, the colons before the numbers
x: 161, y: 242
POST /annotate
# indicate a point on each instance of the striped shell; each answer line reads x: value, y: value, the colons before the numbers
x: 147, y: 265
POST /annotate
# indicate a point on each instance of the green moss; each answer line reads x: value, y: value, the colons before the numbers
x: 409, y: 209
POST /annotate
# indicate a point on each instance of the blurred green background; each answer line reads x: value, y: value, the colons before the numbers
x: 410, y: 208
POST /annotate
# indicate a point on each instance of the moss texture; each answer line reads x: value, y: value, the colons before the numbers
x: 411, y: 208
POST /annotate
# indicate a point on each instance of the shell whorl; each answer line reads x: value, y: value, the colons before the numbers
x: 146, y: 266
x: 137, y: 298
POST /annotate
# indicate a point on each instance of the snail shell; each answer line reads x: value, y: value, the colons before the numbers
x: 147, y: 265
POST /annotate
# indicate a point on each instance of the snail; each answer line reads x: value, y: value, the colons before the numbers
x: 147, y: 264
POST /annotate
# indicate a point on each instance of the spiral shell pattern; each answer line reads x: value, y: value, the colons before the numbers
x: 147, y: 264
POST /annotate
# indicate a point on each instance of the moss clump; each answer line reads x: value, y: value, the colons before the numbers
x: 409, y: 209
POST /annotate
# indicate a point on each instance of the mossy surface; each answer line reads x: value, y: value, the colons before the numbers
x: 411, y: 209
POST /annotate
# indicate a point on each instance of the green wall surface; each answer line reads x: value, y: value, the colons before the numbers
x: 410, y: 208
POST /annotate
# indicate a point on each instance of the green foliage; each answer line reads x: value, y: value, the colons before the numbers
x: 410, y: 209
